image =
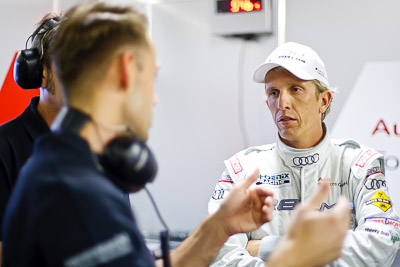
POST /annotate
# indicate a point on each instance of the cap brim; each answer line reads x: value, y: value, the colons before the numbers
x: 263, y: 69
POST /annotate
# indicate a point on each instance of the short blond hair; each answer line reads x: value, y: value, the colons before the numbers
x: 322, y: 88
x: 89, y: 37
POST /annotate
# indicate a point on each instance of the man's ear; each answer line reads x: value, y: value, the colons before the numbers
x: 44, y: 78
x: 326, y: 99
x: 126, y: 67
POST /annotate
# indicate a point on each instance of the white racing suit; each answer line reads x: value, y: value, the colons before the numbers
x: 352, y: 169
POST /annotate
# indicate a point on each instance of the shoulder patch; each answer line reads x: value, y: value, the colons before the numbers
x: 380, y: 200
x: 363, y: 159
x: 358, y: 157
x: 362, y: 163
x: 236, y: 166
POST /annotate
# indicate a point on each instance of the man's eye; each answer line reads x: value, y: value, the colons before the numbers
x: 296, y: 89
x: 272, y: 93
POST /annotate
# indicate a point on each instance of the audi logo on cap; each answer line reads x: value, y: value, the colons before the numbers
x: 307, y: 160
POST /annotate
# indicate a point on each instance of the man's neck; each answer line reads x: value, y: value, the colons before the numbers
x: 96, y: 138
x: 306, y: 142
x: 47, y: 112
x: 101, y: 128
x: 48, y: 106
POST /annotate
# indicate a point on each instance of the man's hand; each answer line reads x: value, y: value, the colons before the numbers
x: 313, y: 238
x: 247, y: 207
x: 244, y: 210
x: 253, y: 246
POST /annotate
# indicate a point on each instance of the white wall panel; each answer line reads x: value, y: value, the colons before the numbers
x: 346, y: 34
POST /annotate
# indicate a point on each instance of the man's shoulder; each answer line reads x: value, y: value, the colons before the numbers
x: 11, y: 129
x: 24, y: 129
x: 65, y: 177
x: 353, y: 148
x: 247, y: 159
x: 255, y: 151
x: 359, y: 157
x: 15, y: 146
x: 53, y: 157
x: 16, y: 126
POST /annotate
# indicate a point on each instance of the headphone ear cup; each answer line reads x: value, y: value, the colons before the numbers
x: 130, y: 162
x: 28, y: 71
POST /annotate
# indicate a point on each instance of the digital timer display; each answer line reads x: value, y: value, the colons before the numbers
x: 241, y: 17
x: 238, y: 6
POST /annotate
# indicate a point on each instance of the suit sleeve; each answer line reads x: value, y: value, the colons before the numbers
x: 374, y: 241
x: 233, y: 252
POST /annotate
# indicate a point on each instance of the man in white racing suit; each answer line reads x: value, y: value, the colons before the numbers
x: 304, y: 156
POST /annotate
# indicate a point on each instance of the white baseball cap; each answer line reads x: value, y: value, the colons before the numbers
x: 300, y: 60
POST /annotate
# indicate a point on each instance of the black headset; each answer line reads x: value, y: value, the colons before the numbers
x: 28, y: 67
x: 126, y: 160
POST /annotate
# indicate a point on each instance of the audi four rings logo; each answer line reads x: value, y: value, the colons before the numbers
x: 304, y: 161
x: 373, y: 184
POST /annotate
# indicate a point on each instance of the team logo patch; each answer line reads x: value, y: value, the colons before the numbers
x: 380, y: 200
x: 383, y: 220
x: 365, y: 157
x: 276, y: 179
x: 394, y: 236
x: 236, y: 166
x: 374, y: 184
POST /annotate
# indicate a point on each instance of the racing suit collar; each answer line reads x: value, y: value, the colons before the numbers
x: 307, y: 157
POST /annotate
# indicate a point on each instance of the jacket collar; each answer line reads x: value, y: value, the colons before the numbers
x: 307, y: 157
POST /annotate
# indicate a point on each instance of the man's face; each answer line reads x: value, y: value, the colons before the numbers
x: 142, y: 97
x: 295, y: 108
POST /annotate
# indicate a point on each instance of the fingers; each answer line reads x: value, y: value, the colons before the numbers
x: 251, y: 178
x: 245, y: 184
x: 316, y: 199
x: 268, y: 209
